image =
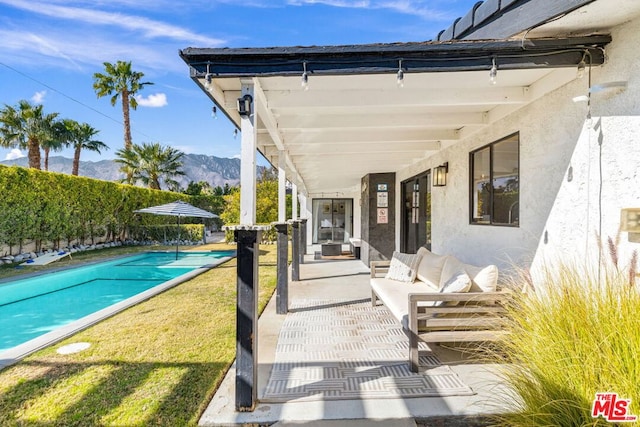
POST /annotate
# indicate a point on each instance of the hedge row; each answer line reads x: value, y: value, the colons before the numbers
x: 49, y: 208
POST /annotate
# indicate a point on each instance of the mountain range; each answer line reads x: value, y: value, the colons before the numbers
x: 217, y: 171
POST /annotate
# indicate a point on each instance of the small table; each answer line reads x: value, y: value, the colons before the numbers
x: 331, y: 249
x: 355, y: 246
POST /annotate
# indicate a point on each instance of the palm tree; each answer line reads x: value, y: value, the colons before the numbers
x: 150, y: 164
x: 26, y: 127
x: 56, y: 141
x: 80, y: 137
x: 119, y: 81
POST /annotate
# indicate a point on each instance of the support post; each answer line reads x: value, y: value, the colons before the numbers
x: 294, y: 200
x: 248, y: 149
x: 282, y: 188
x: 303, y: 239
x: 295, y: 250
x: 304, y: 212
x: 282, y: 288
x: 247, y: 239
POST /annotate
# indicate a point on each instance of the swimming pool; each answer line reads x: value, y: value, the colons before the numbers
x: 30, y: 308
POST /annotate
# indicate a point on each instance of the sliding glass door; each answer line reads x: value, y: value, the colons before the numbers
x: 416, y: 213
x: 332, y: 220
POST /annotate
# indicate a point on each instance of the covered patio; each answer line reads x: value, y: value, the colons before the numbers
x: 347, y: 282
x: 385, y: 143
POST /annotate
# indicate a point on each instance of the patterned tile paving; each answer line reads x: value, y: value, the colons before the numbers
x: 331, y: 350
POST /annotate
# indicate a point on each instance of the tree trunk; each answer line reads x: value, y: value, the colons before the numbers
x: 127, y: 123
x: 34, y: 154
x: 127, y: 128
x: 76, y: 160
x: 46, y: 158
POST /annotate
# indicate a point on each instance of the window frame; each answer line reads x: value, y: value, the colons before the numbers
x: 491, y: 146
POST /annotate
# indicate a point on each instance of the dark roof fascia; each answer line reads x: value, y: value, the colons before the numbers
x: 501, y: 19
x: 385, y: 58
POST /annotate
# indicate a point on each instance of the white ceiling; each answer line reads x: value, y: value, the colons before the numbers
x: 344, y: 127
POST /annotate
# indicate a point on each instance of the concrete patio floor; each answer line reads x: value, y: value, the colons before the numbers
x: 349, y: 280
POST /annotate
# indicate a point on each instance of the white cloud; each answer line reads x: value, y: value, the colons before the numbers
x: 408, y: 7
x: 38, y: 97
x: 154, y: 100
x: 50, y: 45
x: 149, y: 27
x: 237, y: 156
x: 186, y: 149
x: 14, y: 154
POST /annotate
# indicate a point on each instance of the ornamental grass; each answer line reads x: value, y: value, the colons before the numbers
x: 578, y: 334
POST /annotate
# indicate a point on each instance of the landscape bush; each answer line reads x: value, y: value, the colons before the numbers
x: 52, y: 210
x: 578, y: 334
x: 266, y: 209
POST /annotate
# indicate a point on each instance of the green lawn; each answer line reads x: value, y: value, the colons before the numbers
x: 157, y: 363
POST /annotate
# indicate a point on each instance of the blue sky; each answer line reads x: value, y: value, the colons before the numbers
x: 50, y: 50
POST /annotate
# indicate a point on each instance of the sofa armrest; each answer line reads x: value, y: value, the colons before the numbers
x: 379, y: 268
x: 462, y: 297
x: 478, y: 316
x: 469, y: 305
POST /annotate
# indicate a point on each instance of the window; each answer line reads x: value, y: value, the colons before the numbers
x: 495, y: 183
x: 332, y: 220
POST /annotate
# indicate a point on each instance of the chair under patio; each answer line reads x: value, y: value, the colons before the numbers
x: 329, y: 288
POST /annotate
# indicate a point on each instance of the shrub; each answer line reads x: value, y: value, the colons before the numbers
x: 577, y: 335
x: 51, y: 209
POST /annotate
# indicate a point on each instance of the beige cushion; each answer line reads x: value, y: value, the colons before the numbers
x: 395, y: 295
x: 430, y: 267
x: 451, y: 266
x: 458, y: 282
x: 403, y: 267
x: 483, y: 279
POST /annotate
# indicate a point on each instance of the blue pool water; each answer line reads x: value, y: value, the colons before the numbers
x: 32, y: 307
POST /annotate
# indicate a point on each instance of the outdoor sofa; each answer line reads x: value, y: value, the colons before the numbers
x: 437, y: 298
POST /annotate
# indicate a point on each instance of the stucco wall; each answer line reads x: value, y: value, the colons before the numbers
x: 554, y: 139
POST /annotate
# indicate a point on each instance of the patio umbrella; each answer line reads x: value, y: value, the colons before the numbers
x: 178, y: 209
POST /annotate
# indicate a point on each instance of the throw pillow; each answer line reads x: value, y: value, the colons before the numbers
x: 451, y: 266
x: 483, y: 279
x: 430, y: 267
x: 403, y: 267
x: 459, y: 282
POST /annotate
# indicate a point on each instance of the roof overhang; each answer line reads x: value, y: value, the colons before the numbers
x: 354, y: 119
x: 504, y: 19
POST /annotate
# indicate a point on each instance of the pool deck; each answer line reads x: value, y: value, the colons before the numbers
x: 15, y: 354
x: 349, y: 280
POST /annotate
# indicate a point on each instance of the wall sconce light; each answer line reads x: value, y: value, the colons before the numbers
x: 244, y: 105
x: 440, y: 175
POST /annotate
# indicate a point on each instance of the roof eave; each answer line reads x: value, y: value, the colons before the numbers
x: 384, y: 58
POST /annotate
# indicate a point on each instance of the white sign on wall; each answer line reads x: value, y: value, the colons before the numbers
x: 383, y: 200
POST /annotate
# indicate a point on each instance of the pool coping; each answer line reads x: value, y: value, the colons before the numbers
x: 19, y: 352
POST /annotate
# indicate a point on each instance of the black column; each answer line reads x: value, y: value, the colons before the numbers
x: 282, y: 289
x: 295, y: 250
x: 247, y: 319
x: 303, y: 239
